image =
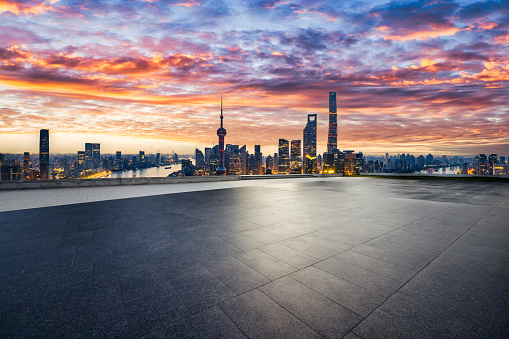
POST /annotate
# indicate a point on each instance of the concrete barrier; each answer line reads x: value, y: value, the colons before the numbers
x: 67, y: 183
x: 276, y: 176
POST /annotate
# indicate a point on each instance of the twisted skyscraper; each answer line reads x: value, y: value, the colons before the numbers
x: 332, y: 141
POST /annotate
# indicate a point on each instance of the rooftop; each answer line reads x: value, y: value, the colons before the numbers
x: 306, y: 257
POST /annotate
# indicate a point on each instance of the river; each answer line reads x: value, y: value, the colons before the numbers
x: 441, y: 171
x: 145, y: 172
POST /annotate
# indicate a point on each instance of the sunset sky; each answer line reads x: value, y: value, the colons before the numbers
x: 411, y: 77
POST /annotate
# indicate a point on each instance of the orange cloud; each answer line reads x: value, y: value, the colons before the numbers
x: 190, y: 3
x: 488, y: 25
x: 493, y: 71
x: 18, y: 8
x: 503, y: 39
x: 434, y: 31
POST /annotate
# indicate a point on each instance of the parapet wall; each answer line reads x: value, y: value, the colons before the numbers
x: 66, y: 183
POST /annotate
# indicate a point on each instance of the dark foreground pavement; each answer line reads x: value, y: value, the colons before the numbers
x: 344, y: 257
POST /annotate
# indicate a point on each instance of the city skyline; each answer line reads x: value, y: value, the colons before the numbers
x: 421, y: 77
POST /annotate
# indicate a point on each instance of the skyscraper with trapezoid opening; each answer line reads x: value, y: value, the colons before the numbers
x: 332, y: 141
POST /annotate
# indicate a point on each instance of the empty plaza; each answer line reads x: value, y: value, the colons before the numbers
x: 352, y: 257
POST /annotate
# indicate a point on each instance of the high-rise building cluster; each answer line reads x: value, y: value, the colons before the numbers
x: 294, y: 156
x: 85, y: 164
x: 407, y: 163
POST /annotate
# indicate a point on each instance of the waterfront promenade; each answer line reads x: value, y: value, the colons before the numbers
x: 288, y: 258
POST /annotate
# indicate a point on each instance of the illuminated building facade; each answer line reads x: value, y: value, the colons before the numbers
x: 207, y: 160
x: 96, y: 155
x: 295, y: 157
x: 328, y: 163
x: 492, y: 161
x: 309, y: 140
x: 44, y: 155
x: 141, y: 158
x: 332, y: 140
x: 118, y: 161
x: 221, y: 133
x: 481, y: 164
x: 258, y: 160
x: 80, y: 161
x: 269, y: 163
x: 199, y: 158
x: 26, y: 166
x: 88, y: 155
x: 283, y: 157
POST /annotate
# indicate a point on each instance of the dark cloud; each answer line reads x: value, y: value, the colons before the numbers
x: 415, y: 15
x: 6, y: 54
x: 484, y: 9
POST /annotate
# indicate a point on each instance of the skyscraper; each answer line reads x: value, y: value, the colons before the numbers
x: 26, y: 166
x: 207, y: 160
x: 118, y: 161
x: 199, y: 158
x: 258, y: 160
x: 492, y: 160
x: 481, y: 164
x: 310, y: 165
x: 88, y: 155
x: 283, y: 157
x: 269, y: 163
x: 44, y: 154
x: 141, y: 159
x: 296, y: 157
x: 221, y: 133
x: 96, y: 155
x: 332, y: 141
x: 81, y: 161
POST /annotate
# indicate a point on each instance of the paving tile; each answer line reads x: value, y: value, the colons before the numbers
x: 331, y: 244
x: 262, y: 236
x: 349, y: 295
x: 98, y: 315
x: 382, y: 267
x: 382, y: 325
x: 410, y: 260
x: 240, y: 241
x: 351, y: 335
x: 216, y: 246
x: 200, y: 289
x: 236, y: 275
x: 448, y: 323
x: 258, y: 316
x: 265, y: 264
x: 309, y: 248
x: 51, y: 260
x: 288, y: 255
x: 211, y: 323
x: 320, y: 313
x: 368, y: 279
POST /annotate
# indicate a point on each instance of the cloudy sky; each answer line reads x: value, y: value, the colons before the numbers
x: 410, y: 76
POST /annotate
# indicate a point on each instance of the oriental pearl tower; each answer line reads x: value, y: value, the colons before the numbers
x: 221, y: 132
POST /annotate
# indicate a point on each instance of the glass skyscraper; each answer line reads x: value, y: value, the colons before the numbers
x: 283, y: 157
x: 310, y: 165
x: 44, y: 154
x: 332, y: 141
x: 296, y: 157
x: 26, y: 166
